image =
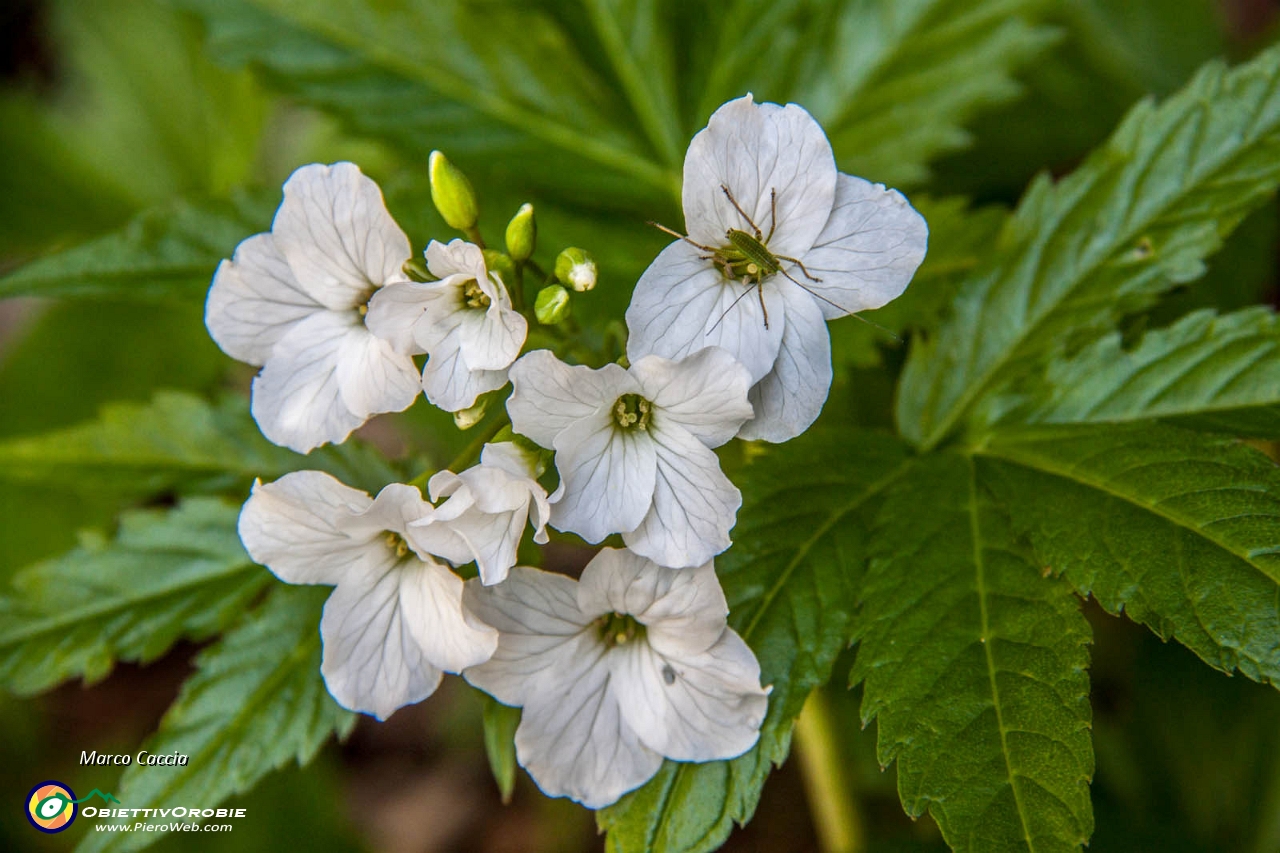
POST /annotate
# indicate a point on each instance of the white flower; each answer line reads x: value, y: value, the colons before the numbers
x: 841, y: 245
x: 291, y: 301
x: 464, y: 322
x: 485, y: 514
x: 633, y: 448
x: 632, y: 664
x: 395, y: 620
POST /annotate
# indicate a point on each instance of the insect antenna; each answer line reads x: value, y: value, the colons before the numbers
x: 734, y: 304
x: 841, y: 308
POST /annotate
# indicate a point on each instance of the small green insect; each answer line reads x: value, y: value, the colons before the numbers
x: 747, y: 258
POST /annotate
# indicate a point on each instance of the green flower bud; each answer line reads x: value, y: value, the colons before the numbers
x: 416, y: 270
x: 452, y: 193
x: 522, y: 232
x: 576, y: 268
x: 498, y: 262
x: 467, y: 418
x: 552, y: 305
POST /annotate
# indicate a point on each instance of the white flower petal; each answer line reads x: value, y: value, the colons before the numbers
x: 373, y: 661
x: 550, y: 395
x: 578, y: 745
x: 395, y: 311
x: 297, y: 401
x: 255, y: 301
x: 606, y: 477
x: 294, y: 526
x: 701, y: 707
x: 790, y: 398
x: 694, y: 504
x: 682, y: 304
x: 450, y: 637
x: 450, y: 384
x: 491, y: 339
x: 335, y: 231
x: 482, y: 520
x: 869, y: 250
x: 373, y: 378
x: 395, y: 507
x: 753, y: 149
x: 540, y: 630
x: 705, y: 393
x: 457, y: 257
x: 683, y: 610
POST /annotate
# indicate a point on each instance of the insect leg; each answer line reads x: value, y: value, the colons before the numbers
x: 680, y: 236
x: 773, y: 213
x: 733, y: 201
x: 763, y: 310
x: 797, y: 262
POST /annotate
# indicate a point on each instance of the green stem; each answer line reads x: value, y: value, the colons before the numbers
x: 473, y: 234
x: 517, y: 288
x: 470, y: 453
x: 826, y: 780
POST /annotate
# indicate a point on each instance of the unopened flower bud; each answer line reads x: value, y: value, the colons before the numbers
x: 498, y: 262
x: 416, y: 270
x: 576, y: 268
x: 522, y: 232
x: 552, y: 305
x: 452, y: 193
x: 465, y: 419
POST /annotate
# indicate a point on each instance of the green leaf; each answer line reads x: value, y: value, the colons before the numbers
x: 462, y: 77
x: 1138, y: 217
x: 169, y: 252
x: 167, y: 575
x: 177, y: 441
x: 1178, y: 529
x: 255, y: 703
x: 1217, y: 371
x: 974, y: 666
x: 637, y: 41
x: 500, y: 722
x: 791, y: 579
x: 902, y: 79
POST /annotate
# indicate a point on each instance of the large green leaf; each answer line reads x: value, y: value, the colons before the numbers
x: 1178, y: 529
x: 475, y: 80
x: 1218, y: 371
x: 255, y: 703
x: 974, y: 666
x: 169, y: 252
x: 177, y: 441
x: 791, y: 578
x: 167, y: 575
x: 1137, y: 217
x: 893, y: 82
x: 903, y: 79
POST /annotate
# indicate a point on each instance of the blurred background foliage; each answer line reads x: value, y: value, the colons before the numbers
x: 171, y: 126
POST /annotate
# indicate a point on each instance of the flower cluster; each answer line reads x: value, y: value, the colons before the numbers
x: 634, y: 662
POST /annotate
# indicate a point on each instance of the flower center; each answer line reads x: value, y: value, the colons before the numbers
x: 396, y: 544
x: 618, y: 629
x: 473, y: 296
x: 631, y: 411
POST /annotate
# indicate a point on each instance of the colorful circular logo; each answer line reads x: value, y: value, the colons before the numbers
x: 51, y: 806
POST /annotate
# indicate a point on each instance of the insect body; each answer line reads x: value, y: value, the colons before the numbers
x: 746, y: 256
